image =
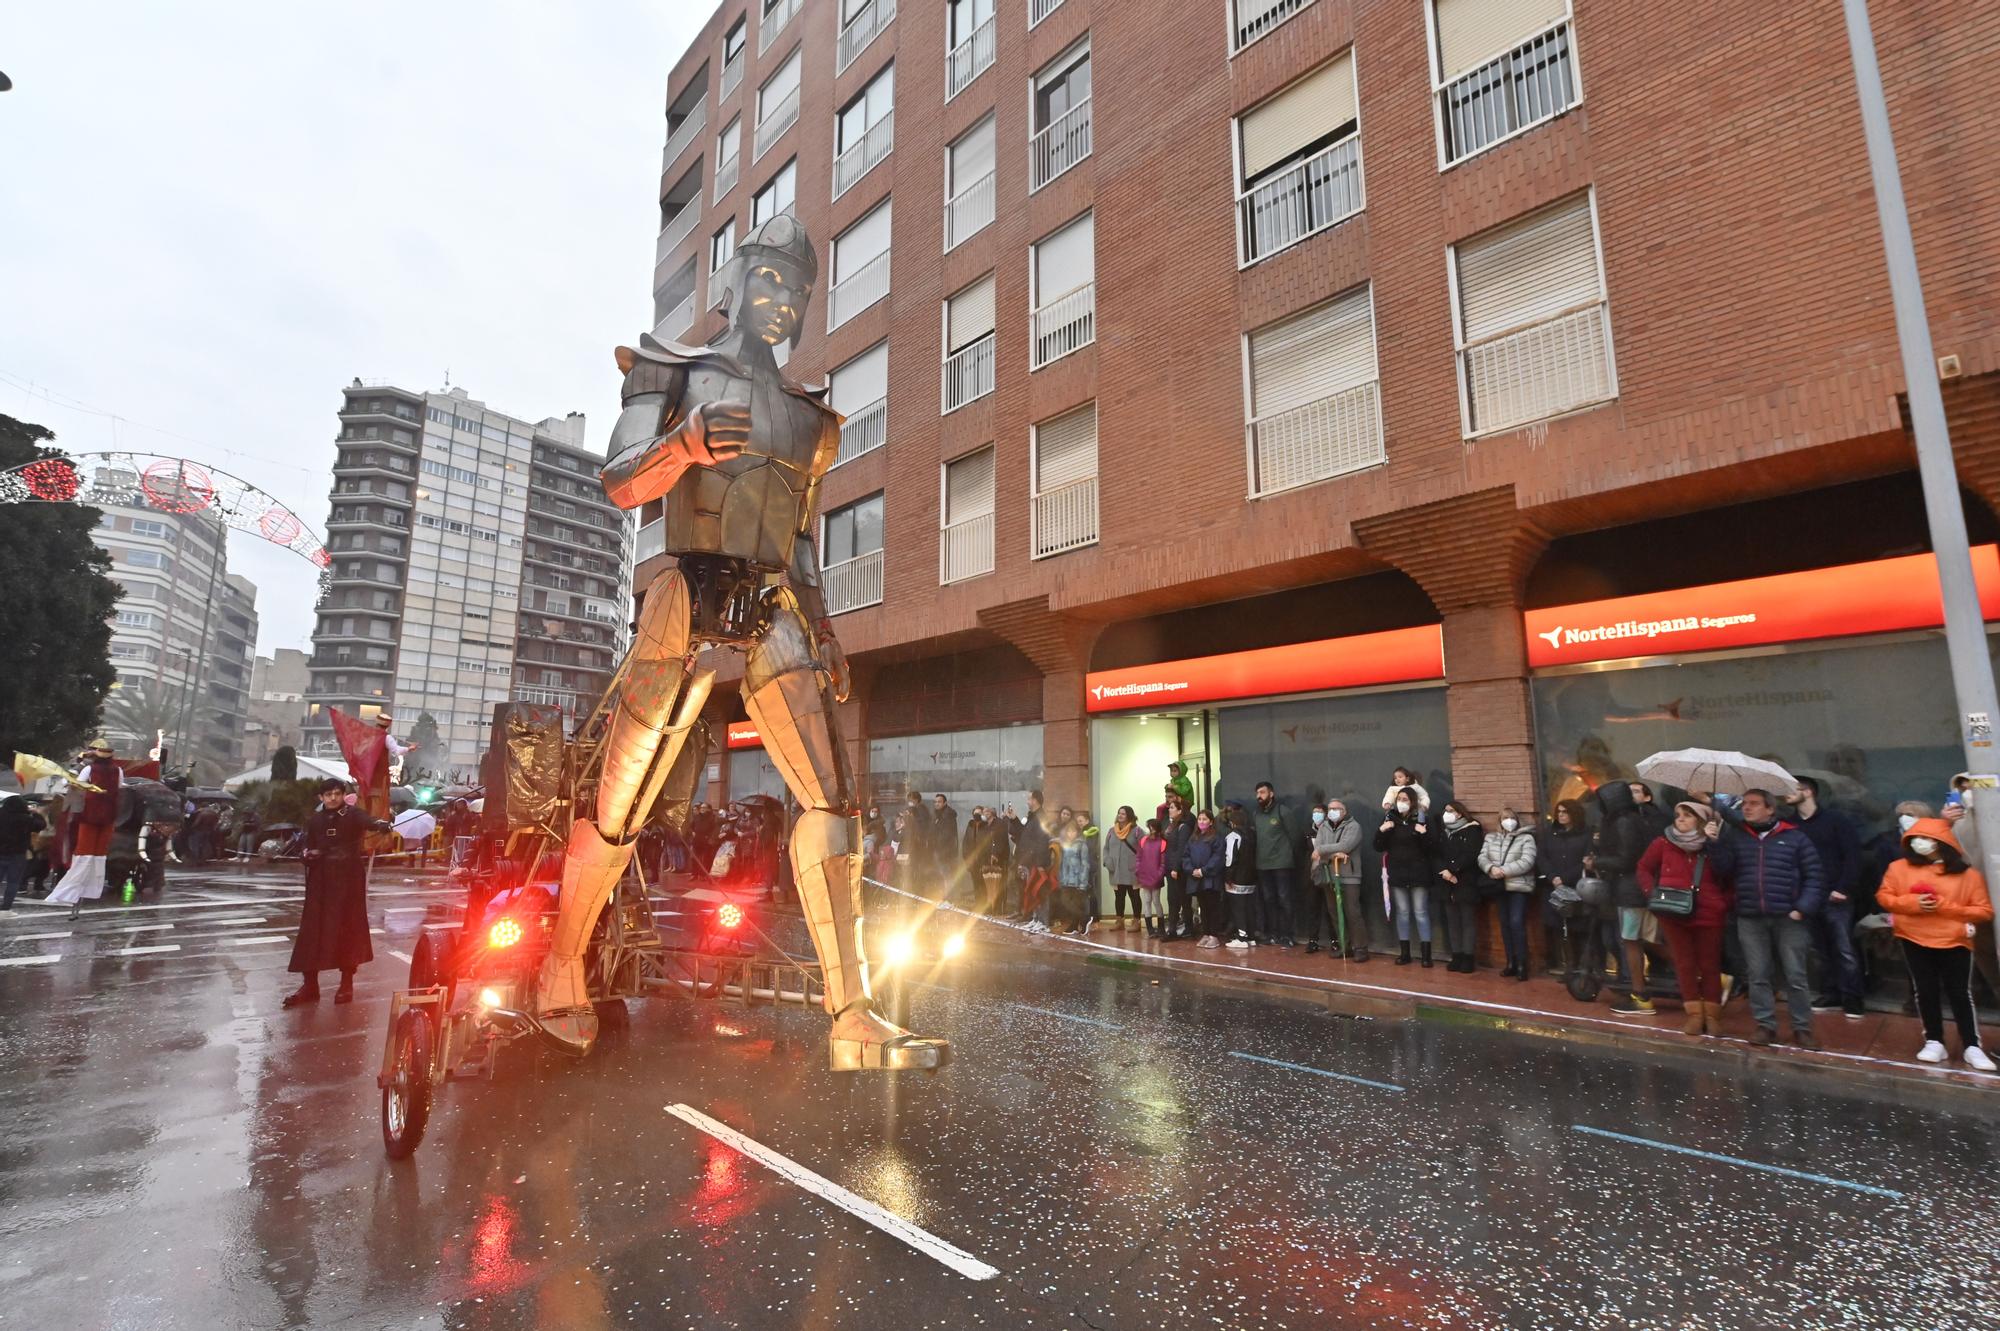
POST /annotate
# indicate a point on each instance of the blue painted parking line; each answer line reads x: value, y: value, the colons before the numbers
x: 1868, y: 1188
x: 1064, y: 1016
x: 1317, y: 1072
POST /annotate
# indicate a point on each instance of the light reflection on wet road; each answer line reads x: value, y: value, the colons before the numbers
x: 1128, y: 1153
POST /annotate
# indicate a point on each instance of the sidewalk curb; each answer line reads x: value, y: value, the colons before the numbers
x: 1909, y: 1085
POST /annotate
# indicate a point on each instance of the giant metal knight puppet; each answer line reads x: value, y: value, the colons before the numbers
x: 738, y: 451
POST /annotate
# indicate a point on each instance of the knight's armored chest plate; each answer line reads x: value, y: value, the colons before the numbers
x: 753, y: 506
x: 784, y: 427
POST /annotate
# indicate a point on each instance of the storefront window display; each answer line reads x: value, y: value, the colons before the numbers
x: 751, y: 772
x: 995, y: 767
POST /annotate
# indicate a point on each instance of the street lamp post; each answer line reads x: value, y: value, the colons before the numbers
x: 1964, y: 624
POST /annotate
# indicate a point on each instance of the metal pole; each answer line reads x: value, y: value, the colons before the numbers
x: 1964, y: 625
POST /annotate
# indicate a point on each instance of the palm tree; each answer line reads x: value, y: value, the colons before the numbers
x: 138, y: 711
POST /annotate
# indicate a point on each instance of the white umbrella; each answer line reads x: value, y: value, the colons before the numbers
x: 1717, y: 771
x: 415, y: 825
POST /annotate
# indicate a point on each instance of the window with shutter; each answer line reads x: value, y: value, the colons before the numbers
x: 965, y: 540
x: 1534, y: 329
x: 1063, y: 507
x: 968, y: 487
x: 1066, y: 449
x: 1065, y: 259
x: 969, y: 315
x: 861, y: 382
x: 971, y: 158
x: 860, y: 267
x: 1315, y: 401
x: 1290, y: 125
x: 1499, y: 67
x: 1300, y: 155
x: 1065, y: 315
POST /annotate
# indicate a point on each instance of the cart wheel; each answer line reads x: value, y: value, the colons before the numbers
x: 430, y: 959
x: 406, y: 1100
x: 612, y: 1012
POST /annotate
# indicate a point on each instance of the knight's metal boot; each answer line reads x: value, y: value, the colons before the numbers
x: 591, y: 869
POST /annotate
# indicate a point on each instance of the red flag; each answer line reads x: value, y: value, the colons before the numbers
x: 146, y: 767
x: 365, y: 748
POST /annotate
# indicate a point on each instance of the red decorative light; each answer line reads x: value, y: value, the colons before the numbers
x: 729, y: 915
x: 177, y: 487
x: 322, y: 558
x: 279, y: 526
x: 504, y: 933
x: 52, y: 479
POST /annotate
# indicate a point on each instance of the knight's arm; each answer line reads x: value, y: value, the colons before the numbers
x: 803, y: 578
x: 649, y: 447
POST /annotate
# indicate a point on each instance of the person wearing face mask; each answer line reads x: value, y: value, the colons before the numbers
x: 1779, y: 886
x: 1508, y: 860
x: 1882, y: 853
x: 1406, y: 859
x: 1679, y: 858
x: 1456, y: 840
x: 1405, y: 779
x: 1205, y: 870
x: 1336, y: 874
x: 1938, y: 904
x: 1839, y: 847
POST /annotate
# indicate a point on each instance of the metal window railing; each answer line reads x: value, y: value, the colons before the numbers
x: 774, y: 21
x: 1066, y: 324
x: 1300, y: 201
x: 732, y: 74
x: 965, y: 549
x: 854, y: 584
x: 773, y: 126
x: 1059, y: 145
x: 684, y: 133
x: 862, y: 155
x: 652, y: 541
x: 970, y: 58
x: 1316, y: 440
x: 1065, y: 518
x: 1539, y: 371
x: 726, y: 173
x: 857, y: 291
x: 677, y: 229
x: 1254, y: 18
x: 675, y: 325
x: 855, y: 37
x: 968, y: 212
x: 1041, y: 9
x: 1515, y: 91
x: 864, y: 431
x: 968, y: 373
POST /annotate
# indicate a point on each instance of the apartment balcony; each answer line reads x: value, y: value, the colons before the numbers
x: 732, y: 75
x: 1060, y: 145
x: 965, y: 549
x: 364, y: 580
x: 968, y: 212
x: 1041, y: 9
x: 1508, y: 95
x: 678, y: 228
x: 690, y: 128
x: 970, y: 58
x: 1062, y: 327
x: 968, y: 374
x: 864, y: 431
x: 652, y: 541
x: 854, y: 584
x: 856, y: 36
x: 1315, y: 441
x: 391, y: 465
x: 773, y: 126
x: 1301, y: 201
x: 1064, y: 518
x: 1251, y: 19
x: 861, y: 157
x: 566, y: 699
x: 775, y: 19
x: 380, y: 521
x: 1540, y: 371
x: 857, y: 291
x: 726, y: 174
x: 674, y: 327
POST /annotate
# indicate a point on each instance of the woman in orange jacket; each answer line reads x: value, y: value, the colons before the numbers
x: 1938, y: 902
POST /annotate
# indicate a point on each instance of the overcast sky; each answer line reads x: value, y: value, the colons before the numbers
x: 213, y: 215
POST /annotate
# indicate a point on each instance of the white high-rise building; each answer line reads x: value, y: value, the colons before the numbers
x: 475, y: 559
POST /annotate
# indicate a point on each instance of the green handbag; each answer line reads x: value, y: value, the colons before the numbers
x: 1677, y: 903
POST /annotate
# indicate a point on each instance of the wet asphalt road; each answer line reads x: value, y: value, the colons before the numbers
x: 1125, y: 1152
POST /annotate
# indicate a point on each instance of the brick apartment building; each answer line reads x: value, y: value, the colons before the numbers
x: 1421, y: 360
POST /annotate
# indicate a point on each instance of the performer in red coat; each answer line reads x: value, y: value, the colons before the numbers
x: 333, y: 923
x: 85, y: 879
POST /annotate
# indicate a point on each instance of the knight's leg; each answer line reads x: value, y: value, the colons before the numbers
x: 645, y: 733
x: 790, y: 701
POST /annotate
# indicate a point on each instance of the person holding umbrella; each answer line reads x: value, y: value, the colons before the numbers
x: 333, y: 923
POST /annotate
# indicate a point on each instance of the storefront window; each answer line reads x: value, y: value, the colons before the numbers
x: 995, y: 767
x: 751, y: 772
x: 1340, y: 747
x: 1872, y: 720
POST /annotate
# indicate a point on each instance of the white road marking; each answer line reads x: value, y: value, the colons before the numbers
x: 267, y: 938
x: 34, y: 938
x: 403, y: 957
x: 860, y: 1207
x: 104, y: 912
x: 236, y: 919
x: 39, y: 959
x: 378, y: 931
x: 141, y: 928
x: 141, y: 951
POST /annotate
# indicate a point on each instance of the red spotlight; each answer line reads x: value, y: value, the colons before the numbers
x: 504, y: 933
x: 729, y: 915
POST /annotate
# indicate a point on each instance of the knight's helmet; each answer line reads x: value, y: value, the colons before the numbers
x: 783, y: 237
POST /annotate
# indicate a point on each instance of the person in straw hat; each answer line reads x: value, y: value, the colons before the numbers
x: 85, y: 879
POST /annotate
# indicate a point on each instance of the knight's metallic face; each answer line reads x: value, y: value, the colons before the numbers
x: 774, y: 300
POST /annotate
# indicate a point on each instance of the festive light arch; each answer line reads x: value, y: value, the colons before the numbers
x: 171, y: 485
